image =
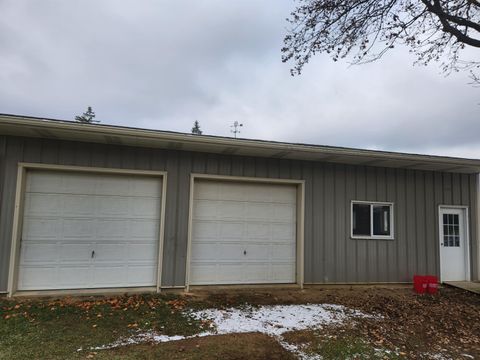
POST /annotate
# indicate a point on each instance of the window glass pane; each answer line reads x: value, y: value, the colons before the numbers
x: 456, y: 229
x: 457, y: 241
x: 381, y: 220
x: 451, y: 230
x: 361, y: 219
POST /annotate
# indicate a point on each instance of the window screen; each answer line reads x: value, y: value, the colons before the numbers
x: 381, y: 220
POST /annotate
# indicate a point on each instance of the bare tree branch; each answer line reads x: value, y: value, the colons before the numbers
x: 435, y: 30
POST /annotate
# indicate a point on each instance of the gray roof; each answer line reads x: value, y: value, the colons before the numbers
x: 111, y: 134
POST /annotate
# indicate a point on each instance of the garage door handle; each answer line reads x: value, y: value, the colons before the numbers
x: 93, y: 253
x: 244, y: 252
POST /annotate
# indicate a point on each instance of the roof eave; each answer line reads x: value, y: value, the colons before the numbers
x: 55, y: 129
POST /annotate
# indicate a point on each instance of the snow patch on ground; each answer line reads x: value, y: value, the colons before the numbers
x: 272, y: 320
x: 146, y: 337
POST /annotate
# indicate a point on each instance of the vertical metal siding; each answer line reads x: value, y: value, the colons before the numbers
x: 308, y: 233
x: 330, y: 254
x: 13, y: 154
x: 351, y: 258
x: 473, y: 197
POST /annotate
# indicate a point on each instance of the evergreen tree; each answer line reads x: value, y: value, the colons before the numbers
x: 196, y: 128
x: 87, y: 117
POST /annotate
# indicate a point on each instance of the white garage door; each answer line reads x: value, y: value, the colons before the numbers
x: 89, y: 231
x: 243, y: 233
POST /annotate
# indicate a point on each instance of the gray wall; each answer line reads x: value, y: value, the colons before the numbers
x: 330, y: 254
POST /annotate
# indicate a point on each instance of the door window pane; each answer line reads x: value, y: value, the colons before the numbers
x: 451, y: 230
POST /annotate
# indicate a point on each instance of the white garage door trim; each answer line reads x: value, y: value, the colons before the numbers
x: 23, y: 168
x: 300, y: 184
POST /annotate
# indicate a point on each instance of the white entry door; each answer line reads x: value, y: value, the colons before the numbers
x: 453, y: 245
x: 243, y: 233
x: 83, y: 230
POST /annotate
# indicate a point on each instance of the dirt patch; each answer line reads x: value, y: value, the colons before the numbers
x: 447, y: 323
x: 226, y: 347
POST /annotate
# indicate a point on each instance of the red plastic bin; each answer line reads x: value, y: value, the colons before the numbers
x: 432, y: 284
x: 420, y: 284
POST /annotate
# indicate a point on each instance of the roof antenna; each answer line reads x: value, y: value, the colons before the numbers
x: 236, y: 128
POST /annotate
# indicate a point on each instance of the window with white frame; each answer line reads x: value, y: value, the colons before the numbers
x: 372, y: 220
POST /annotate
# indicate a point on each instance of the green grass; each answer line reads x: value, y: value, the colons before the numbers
x: 56, y: 329
x: 347, y: 347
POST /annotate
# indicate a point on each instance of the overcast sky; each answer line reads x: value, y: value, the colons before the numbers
x: 163, y: 64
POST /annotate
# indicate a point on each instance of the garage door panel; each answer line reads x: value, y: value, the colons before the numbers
x: 32, y: 277
x: 283, y: 231
x: 260, y: 230
x: 76, y: 228
x: 203, y: 229
x: 258, y: 211
x: 282, y: 272
x: 142, y: 252
x: 201, y: 274
x: 116, y: 216
x: 283, y: 252
x: 230, y: 251
x: 110, y: 275
x: 114, y: 206
x: 78, y: 184
x: 74, y: 252
x: 230, y: 273
x: 280, y: 194
x: 43, y: 204
x: 113, y: 186
x: 122, y: 275
x: 109, y: 252
x: 258, y: 193
x: 284, y: 212
x: 144, y: 207
x: 145, y: 187
x: 231, y: 191
x: 141, y: 275
x: 77, y: 205
x: 230, y: 230
x: 39, y: 252
x: 43, y: 182
x: 143, y: 229
x: 40, y: 228
x: 237, y: 228
x: 206, y: 191
x: 256, y: 273
x: 111, y: 229
x: 205, y: 209
x: 82, y: 274
x: 230, y: 210
x: 256, y: 251
x: 204, y: 251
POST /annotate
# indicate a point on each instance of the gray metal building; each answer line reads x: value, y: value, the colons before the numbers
x: 98, y: 207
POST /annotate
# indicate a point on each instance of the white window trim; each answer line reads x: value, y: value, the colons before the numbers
x: 376, y: 237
